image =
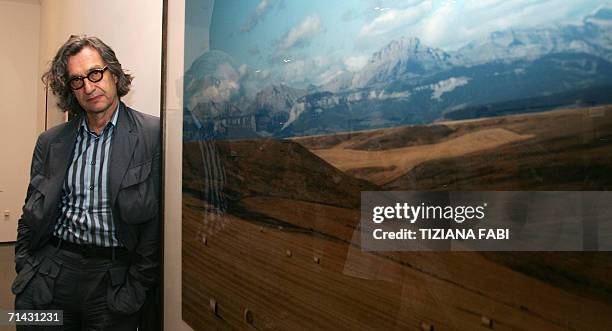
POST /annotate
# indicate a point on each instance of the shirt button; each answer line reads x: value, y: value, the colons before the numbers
x: 93, y: 162
x: 91, y: 187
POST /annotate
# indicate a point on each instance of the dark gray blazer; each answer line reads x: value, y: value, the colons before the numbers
x: 134, y: 178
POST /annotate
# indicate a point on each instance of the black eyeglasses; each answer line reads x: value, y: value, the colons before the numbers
x: 94, y: 76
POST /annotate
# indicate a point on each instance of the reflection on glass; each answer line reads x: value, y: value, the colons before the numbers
x: 297, y: 107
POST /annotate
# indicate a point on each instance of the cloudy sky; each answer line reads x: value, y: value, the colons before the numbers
x: 312, y: 40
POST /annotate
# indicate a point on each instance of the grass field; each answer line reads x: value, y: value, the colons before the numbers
x: 286, y: 248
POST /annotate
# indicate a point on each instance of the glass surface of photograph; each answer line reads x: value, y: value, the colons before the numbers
x: 293, y: 109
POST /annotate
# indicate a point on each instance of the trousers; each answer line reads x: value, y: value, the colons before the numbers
x: 80, y: 286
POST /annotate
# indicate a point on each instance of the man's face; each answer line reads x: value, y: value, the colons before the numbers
x: 93, y: 97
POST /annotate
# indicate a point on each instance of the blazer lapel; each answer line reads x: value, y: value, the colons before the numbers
x: 124, y: 143
x: 60, y: 152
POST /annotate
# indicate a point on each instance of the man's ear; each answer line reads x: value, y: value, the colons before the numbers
x: 115, y: 79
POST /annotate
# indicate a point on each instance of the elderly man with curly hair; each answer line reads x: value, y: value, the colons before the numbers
x: 88, y: 238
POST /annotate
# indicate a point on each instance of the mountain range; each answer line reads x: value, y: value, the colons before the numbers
x: 408, y: 82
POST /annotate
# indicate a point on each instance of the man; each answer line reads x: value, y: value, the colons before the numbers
x: 88, y: 238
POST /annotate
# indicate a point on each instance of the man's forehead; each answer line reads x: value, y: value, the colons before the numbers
x: 84, y: 61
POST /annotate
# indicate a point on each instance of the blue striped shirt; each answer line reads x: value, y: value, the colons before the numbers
x: 86, y: 216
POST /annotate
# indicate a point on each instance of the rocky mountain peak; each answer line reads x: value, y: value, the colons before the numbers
x: 406, y: 48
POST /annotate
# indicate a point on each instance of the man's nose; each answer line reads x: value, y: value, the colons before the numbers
x: 88, y: 86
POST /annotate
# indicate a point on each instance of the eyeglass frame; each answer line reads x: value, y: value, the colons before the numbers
x: 82, y: 78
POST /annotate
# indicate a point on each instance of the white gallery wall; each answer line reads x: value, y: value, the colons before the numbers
x: 19, y: 37
x: 173, y: 143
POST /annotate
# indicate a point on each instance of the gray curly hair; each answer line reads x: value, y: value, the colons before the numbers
x: 57, y: 76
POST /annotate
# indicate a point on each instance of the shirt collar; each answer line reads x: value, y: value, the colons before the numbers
x: 112, y: 122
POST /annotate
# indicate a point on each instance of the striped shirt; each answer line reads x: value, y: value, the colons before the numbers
x: 86, y: 216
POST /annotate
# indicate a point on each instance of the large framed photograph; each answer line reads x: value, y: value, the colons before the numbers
x: 292, y: 109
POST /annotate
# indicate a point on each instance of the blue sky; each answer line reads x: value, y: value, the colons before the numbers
x: 310, y: 40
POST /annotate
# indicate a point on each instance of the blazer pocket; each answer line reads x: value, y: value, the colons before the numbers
x: 137, y: 197
x: 124, y: 295
x: 25, y: 275
x: 33, y: 209
x: 136, y: 174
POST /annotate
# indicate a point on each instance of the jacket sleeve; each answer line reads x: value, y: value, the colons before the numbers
x: 22, y: 251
